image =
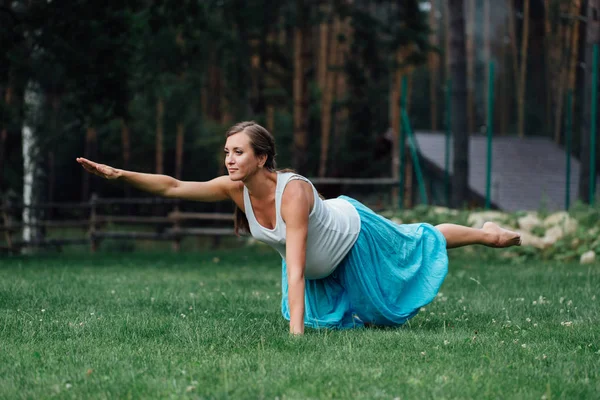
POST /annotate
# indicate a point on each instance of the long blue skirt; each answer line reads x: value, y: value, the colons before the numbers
x: 389, y: 274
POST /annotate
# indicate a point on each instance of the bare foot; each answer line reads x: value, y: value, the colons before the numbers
x: 502, y: 237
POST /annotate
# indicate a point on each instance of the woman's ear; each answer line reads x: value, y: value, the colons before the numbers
x: 262, y: 159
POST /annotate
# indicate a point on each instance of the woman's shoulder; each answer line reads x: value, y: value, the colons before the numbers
x: 232, y: 187
x: 297, y: 190
x: 288, y: 174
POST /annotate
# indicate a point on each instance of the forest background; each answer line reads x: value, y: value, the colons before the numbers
x: 153, y: 85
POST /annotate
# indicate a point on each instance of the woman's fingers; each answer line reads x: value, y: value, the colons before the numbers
x: 100, y: 170
x: 95, y: 172
x: 89, y: 163
x: 86, y: 163
x: 89, y: 169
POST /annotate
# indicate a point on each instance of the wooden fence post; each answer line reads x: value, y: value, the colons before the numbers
x: 176, y: 229
x: 93, y: 220
x: 7, y: 223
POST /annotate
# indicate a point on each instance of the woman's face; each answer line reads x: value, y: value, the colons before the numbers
x: 240, y: 160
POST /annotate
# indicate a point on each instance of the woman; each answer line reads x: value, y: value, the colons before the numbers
x: 343, y: 265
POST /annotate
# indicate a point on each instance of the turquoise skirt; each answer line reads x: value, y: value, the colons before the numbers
x: 389, y: 274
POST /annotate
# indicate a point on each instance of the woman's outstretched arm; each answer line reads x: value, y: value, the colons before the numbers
x: 163, y: 185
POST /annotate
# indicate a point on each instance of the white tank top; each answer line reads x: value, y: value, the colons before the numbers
x: 333, y: 227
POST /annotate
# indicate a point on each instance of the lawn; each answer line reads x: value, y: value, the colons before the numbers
x: 208, y: 325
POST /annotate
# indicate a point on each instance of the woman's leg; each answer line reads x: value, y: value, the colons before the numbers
x: 490, y: 235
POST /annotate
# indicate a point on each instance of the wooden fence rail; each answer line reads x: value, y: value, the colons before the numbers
x: 97, y: 226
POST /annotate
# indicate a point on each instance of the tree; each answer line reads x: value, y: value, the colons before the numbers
x: 592, y: 37
x: 523, y: 70
x: 327, y: 79
x: 301, y: 64
x: 434, y: 62
x: 460, y: 176
x: 470, y: 12
x: 32, y: 189
x: 112, y: 74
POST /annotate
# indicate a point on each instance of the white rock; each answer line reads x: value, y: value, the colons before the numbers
x: 528, y: 239
x: 397, y: 220
x: 553, y: 235
x: 444, y: 210
x: 562, y: 220
x: 556, y: 218
x: 588, y: 257
x: 529, y: 221
x: 477, y: 219
x: 570, y: 226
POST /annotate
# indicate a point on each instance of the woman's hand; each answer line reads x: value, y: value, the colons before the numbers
x: 297, y: 330
x: 103, y: 171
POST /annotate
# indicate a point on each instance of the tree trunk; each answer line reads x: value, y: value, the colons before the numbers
x: 549, y: 43
x: 433, y: 66
x: 299, y: 119
x: 160, y: 111
x: 51, y: 179
x: 470, y: 43
x: 32, y: 186
x: 340, y: 112
x: 270, y: 84
x: 204, y: 99
x: 256, y: 92
x: 408, y: 174
x: 523, y: 70
x: 574, y: 53
x: 4, y: 132
x: 447, y: 35
x: 179, y: 150
x: 513, y: 47
x: 301, y: 51
x: 395, y: 121
x: 270, y: 118
x: 90, y: 142
x: 504, y: 85
x: 257, y: 54
x: 592, y: 38
x: 327, y: 99
x: 460, y: 176
x: 179, y: 138
x: 323, y: 48
x: 3, y: 139
x: 51, y: 168
x: 126, y: 151
x: 563, y: 77
x: 487, y: 52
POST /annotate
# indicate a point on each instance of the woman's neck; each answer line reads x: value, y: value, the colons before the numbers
x: 262, y: 184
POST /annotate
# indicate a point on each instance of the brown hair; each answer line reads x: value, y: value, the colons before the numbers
x: 262, y: 143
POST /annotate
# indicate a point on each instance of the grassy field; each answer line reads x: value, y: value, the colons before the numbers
x: 208, y: 325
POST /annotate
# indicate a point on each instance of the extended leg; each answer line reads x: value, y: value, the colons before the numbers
x: 490, y: 235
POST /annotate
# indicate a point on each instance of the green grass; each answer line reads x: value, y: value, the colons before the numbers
x: 208, y: 325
